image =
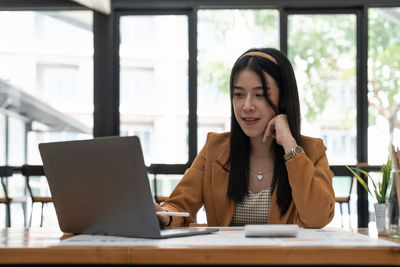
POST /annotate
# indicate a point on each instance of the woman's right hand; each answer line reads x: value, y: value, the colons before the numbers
x: 278, y: 128
x: 164, y: 220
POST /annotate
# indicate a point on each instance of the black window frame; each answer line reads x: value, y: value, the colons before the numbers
x: 106, y: 61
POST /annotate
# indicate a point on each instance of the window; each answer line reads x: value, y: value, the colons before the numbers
x: 154, y: 84
x: 144, y: 131
x: 383, y: 83
x: 53, y: 52
x: 322, y: 49
x: 46, y: 81
x: 58, y: 84
x: 42, y: 45
x: 223, y: 35
x: 16, y: 141
x: 137, y: 90
x: 2, y: 139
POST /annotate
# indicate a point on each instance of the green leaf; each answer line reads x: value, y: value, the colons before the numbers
x: 381, y: 187
x: 368, y: 175
x: 385, y: 169
x: 360, y: 180
x: 379, y: 197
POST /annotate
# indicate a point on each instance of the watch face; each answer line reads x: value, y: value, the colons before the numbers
x: 298, y: 150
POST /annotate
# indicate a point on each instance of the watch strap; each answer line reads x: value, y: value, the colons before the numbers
x: 293, y: 152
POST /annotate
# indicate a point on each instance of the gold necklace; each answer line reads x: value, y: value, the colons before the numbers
x: 260, y: 174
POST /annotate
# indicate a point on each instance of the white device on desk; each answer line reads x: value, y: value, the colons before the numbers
x: 173, y: 213
x: 271, y: 230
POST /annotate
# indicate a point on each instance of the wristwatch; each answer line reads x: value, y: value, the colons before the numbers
x: 293, y: 152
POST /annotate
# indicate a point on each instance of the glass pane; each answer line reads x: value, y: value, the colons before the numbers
x: 346, y: 202
x: 16, y: 141
x: 223, y: 35
x: 322, y: 49
x: 342, y: 185
x: 154, y: 85
x: 383, y: 82
x: 46, y: 78
x: 39, y: 186
x: 165, y: 184
x: 2, y: 139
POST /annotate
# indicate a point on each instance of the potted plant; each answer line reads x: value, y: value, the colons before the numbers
x: 382, y: 210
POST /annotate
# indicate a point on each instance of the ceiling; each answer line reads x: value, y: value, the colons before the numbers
x: 103, y: 6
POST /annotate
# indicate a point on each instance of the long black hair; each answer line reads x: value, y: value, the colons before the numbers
x: 289, y: 104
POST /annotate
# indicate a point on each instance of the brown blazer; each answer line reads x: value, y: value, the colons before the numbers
x: 206, y: 183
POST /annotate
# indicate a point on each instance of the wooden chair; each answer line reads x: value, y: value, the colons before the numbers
x: 5, y: 172
x: 35, y: 170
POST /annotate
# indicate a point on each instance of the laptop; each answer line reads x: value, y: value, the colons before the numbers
x: 100, y: 186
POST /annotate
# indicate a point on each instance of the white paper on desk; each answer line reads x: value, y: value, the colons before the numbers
x: 102, y: 240
x: 332, y: 238
x: 306, y: 237
x: 222, y: 238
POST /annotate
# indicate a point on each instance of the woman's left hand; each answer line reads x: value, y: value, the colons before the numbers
x: 278, y: 128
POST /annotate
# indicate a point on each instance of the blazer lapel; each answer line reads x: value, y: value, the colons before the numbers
x: 274, y: 212
x: 224, y: 208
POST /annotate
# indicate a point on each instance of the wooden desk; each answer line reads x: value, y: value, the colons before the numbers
x: 38, y: 245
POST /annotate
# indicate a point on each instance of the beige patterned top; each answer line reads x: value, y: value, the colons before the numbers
x: 254, y: 209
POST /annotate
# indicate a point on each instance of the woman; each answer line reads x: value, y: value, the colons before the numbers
x: 263, y: 170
